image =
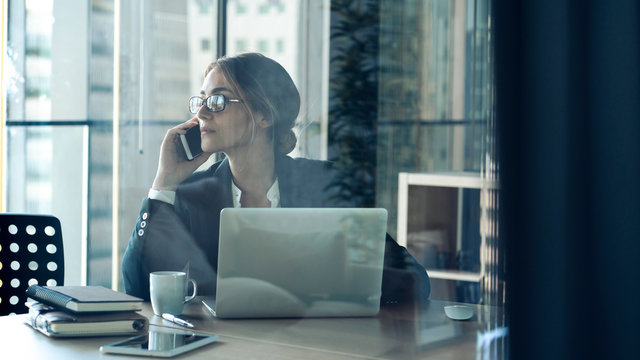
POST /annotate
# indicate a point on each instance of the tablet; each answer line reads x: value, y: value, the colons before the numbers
x: 160, y: 343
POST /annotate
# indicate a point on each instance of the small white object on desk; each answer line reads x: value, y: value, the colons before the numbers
x: 458, y: 312
x: 177, y: 320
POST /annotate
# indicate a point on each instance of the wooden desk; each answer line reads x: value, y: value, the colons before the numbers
x: 396, y: 333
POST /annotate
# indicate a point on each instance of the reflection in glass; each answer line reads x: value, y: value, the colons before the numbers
x: 329, y: 262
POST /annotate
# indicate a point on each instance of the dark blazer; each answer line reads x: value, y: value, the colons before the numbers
x: 185, y: 235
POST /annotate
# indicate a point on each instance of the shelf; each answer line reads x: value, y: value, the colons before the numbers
x: 454, y: 275
x: 440, y: 217
x: 470, y: 180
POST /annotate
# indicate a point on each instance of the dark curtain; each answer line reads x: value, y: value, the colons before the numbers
x: 567, y: 106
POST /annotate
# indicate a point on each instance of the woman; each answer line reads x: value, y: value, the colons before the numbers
x: 246, y: 109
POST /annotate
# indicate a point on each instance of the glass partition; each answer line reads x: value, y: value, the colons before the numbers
x: 387, y: 87
x: 398, y: 93
x: 47, y: 166
x: 46, y: 119
x: 60, y: 112
x: 164, y: 48
x: 435, y: 117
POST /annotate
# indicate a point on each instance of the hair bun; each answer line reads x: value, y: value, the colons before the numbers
x: 287, y: 142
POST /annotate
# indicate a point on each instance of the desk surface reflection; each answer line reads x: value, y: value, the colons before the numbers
x: 398, y: 332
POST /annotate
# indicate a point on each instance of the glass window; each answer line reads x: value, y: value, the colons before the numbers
x: 297, y: 51
x: 205, y: 44
x: 280, y: 46
x: 204, y: 7
x: 47, y: 162
x: 263, y: 46
x: 241, y: 8
x: 241, y: 45
x: 398, y: 94
x: 60, y: 114
x: 406, y: 91
x: 424, y: 75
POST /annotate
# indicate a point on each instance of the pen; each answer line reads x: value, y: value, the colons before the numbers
x: 177, y: 320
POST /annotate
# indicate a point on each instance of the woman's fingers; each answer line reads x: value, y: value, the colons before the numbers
x: 173, y: 167
x: 171, y: 137
x: 182, y: 128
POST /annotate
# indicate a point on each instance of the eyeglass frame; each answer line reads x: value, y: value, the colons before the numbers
x: 204, y: 101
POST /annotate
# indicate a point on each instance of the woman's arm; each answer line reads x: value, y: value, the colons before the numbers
x: 161, y: 241
x: 158, y: 226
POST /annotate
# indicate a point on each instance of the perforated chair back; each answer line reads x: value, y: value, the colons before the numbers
x: 30, y: 253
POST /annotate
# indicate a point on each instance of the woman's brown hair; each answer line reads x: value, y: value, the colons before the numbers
x: 266, y: 88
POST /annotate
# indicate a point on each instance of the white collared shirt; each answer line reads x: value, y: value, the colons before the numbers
x: 167, y: 196
x: 273, y: 195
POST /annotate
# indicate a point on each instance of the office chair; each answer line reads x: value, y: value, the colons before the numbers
x: 30, y: 253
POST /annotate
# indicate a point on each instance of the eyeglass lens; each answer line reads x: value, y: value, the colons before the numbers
x: 214, y: 103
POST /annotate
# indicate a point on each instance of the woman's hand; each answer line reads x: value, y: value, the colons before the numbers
x: 173, y: 167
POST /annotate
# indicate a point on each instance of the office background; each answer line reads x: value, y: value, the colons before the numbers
x: 560, y: 94
x: 387, y: 87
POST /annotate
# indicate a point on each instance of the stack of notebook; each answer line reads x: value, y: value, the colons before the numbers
x: 61, y: 311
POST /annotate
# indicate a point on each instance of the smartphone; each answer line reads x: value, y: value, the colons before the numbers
x: 191, y: 143
x: 160, y: 343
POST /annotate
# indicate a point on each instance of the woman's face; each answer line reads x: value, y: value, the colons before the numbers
x: 225, y: 130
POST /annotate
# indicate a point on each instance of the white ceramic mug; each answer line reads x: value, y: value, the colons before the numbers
x: 168, y: 291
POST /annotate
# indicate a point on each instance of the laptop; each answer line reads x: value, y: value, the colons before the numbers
x: 299, y: 262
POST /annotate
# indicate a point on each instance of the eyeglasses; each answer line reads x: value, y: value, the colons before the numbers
x: 214, y: 103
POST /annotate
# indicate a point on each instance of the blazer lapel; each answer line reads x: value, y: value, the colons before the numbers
x: 283, y: 171
x: 223, y: 173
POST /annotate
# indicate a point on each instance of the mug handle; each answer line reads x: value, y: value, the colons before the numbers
x: 195, y: 291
